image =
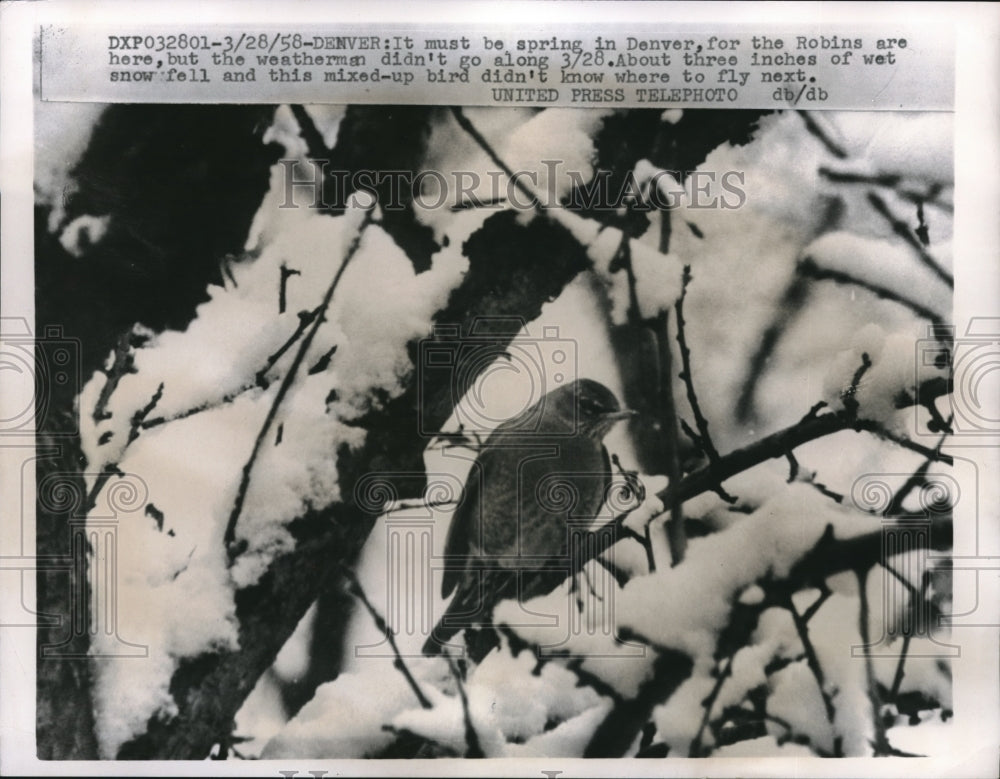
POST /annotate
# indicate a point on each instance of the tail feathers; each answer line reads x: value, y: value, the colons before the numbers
x: 437, y: 642
x: 466, y: 610
x: 472, y: 607
x: 479, y: 642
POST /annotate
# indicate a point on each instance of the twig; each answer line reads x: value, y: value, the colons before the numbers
x: 324, y: 361
x: 695, y: 749
x: 286, y: 272
x: 315, y: 145
x: 417, y: 503
x: 811, y: 658
x: 226, y: 269
x: 306, y: 318
x: 618, y: 523
x: 822, y: 489
x: 470, y: 128
x: 472, y: 747
x: 230, y: 535
x: 902, y: 229
x: 824, y: 593
x: 849, y: 396
x: 620, y: 575
x: 592, y: 680
x: 102, y: 478
x: 880, y: 430
x: 810, y: 428
x: 793, y: 466
x: 814, y: 411
x: 639, y: 491
x: 623, y: 261
x: 380, y: 623
x: 881, y: 744
x: 808, y: 267
x: 809, y: 478
x: 704, y: 439
x: 699, y: 418
x: 917, y: 599
x: 937, y: 422
x: 468, y: 205
x: 590, y: 587
x: 923, y: 231
x: 136, y: 424
x: 676, y: 536
x: 790, y: 733
x: 667, y: 411
x: 780, y: 721
x: 897, y: 678
x: 793, y: 300
x: 910, y: 587
x: 672, y: 533
x: 892, y: 181
x: 814, y: 128
x: 124, y: 363
x: 189, y: 412
x: 916, y: 479
x: 139, y: 416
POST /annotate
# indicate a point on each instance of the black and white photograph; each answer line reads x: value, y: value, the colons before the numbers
x: 517, y: 434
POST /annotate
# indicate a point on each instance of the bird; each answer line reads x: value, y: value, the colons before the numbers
x: 536, y: 474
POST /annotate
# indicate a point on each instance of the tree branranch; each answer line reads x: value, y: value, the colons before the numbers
x: 284, y: 428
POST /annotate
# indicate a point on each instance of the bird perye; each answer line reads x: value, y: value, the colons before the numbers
x: 537, y: 476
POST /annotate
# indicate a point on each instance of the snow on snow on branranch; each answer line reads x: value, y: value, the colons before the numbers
x: 801, y: 290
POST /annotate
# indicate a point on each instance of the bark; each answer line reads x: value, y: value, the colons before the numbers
x: 513, y: 271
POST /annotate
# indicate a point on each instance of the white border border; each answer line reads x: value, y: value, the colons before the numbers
x: 977, y: 245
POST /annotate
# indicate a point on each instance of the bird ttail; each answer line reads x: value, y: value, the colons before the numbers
x: 471, y: 611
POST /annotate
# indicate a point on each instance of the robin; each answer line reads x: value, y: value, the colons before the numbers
x: 536, y: 474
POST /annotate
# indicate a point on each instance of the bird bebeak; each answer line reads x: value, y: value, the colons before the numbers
x: 616, y: 416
